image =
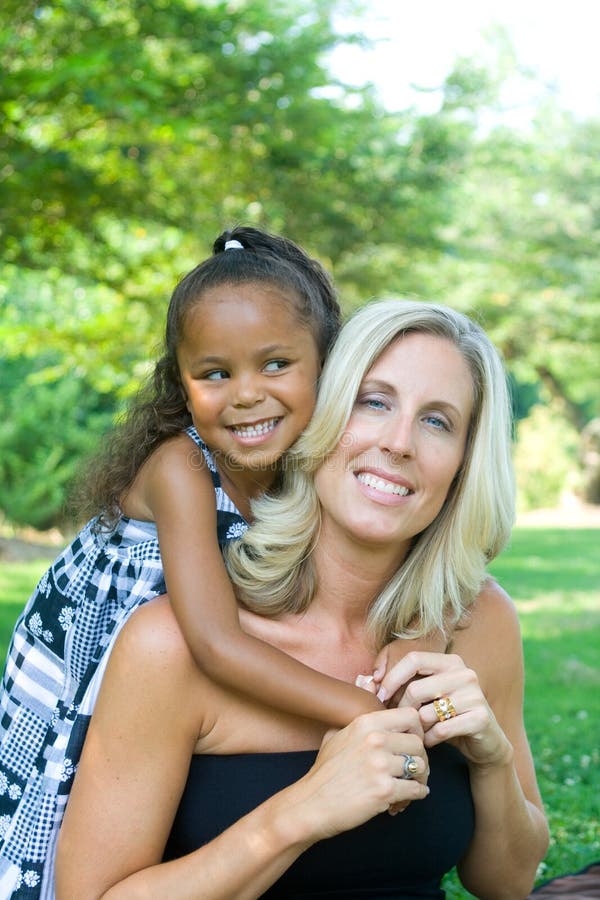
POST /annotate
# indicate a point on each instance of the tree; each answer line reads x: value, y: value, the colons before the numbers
x: 533, y: 225
x: 46, y: 433
x: 523, y: 247
x: 134, y: 131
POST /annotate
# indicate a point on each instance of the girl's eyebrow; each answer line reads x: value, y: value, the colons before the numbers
x: 208, y: 359
x: 259, y: 351
x: 224, y: 360
x: 274, y: 348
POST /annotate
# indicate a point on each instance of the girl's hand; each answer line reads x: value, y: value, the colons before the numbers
x: 425, y: 681
x: 392, y: 653
x: 360, y: 772
x: 367, y: 683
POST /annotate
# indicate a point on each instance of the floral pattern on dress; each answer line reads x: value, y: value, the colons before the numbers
x: 235, y: 531
x: 65, y: 617
x: 68, y: 769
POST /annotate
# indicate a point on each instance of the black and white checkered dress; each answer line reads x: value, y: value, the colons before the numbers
x: 55, y: 663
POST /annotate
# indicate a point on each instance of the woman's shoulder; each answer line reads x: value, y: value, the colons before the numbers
x: 491, y: 609
x: 151, y: 640
x: 152, y: 655
x: 489, y: 637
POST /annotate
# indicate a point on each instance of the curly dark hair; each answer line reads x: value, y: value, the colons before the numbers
x: 159, y: 410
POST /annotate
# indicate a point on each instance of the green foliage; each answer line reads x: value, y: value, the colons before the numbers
x: 133, y: 132
x: 47, y: 432
x: 545, y: 458
x: 527, y: 244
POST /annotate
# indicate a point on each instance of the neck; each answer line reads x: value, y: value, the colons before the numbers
x: 350, y: 576
x: 244, y: 485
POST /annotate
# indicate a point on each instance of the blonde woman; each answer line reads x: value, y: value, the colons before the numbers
x: 396, y: 497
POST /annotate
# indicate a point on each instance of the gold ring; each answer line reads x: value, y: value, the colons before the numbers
x: 444, y: 708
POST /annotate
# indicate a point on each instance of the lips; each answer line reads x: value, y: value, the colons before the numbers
x: 384, y: 485
x: 255, y: 429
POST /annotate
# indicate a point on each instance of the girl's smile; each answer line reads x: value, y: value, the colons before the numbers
x: 255, y: 433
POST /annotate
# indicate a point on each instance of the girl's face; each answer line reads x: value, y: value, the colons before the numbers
x: 390, y: 474
x: 249, y: 370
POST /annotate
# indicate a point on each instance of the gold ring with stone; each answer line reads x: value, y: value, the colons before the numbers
x: 444, y: 708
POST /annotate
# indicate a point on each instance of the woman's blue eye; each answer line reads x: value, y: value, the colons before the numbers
x: 216, y: 375
x: 372, y: 402
x: 437, y: 422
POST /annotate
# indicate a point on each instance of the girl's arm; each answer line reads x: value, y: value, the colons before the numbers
x: 484, y: 679
x: 176, y: 487
x: 154, y: 709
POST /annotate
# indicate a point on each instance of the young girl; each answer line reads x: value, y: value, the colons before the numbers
x: 247, y: 331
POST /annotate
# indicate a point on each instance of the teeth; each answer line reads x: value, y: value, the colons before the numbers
x: 379, y: 484
x: 255, y: 430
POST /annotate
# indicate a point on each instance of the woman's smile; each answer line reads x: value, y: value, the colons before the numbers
x: 382, y: 483
x: 390, y: 474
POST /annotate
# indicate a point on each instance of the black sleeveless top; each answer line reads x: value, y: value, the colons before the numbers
x: 402, y: 856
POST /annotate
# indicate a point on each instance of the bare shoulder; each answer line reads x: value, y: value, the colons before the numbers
x: 178, y: 454
x: 489, y: 637
x: 151, y: 641
x: 493, y: 607
x: 176, y: 472
x: 152, y: 656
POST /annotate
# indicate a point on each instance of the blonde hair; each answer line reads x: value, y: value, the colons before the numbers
x: 445, y: 568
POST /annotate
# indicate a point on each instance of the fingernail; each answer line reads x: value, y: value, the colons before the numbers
x: 377, y: 674
x: 382, y: 695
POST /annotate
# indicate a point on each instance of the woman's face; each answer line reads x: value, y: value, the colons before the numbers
x: 389, y: 475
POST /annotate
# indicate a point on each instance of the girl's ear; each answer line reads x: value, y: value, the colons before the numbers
x: 184, y: 397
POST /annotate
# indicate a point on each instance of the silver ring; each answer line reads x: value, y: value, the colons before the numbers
x: 411, y: 766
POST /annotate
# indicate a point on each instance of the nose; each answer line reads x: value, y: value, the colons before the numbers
x: 397, y: 437
x: 248, y: 391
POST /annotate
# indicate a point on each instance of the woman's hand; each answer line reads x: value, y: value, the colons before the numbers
x: 426, y: 681
x: 361, y: 771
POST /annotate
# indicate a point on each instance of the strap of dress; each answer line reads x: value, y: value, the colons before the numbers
x: 210, y: 462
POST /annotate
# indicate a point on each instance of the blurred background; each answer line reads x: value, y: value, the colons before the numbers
x: 445, y: 151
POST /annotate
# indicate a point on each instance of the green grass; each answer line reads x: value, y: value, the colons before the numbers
x: 17, y: 581
x: 554, y: 576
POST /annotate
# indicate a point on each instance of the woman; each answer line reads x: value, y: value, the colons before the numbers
x: 396, y: 496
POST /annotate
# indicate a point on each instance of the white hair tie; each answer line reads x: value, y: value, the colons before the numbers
x: 233, y: 245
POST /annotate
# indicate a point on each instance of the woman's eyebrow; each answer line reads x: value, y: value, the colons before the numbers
x: 372, y: 384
